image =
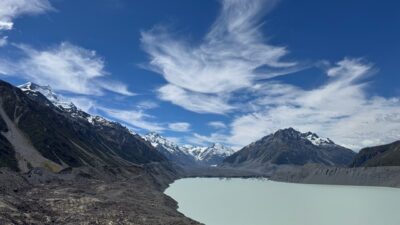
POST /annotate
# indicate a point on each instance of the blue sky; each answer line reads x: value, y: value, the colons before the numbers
x: 227, y: 71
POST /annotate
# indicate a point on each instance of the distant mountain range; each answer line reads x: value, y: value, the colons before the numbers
x: 184, y: 155
x: 291, y: 147
x: 41, y: 129
x: 38, y: 129
x: 188, y: 155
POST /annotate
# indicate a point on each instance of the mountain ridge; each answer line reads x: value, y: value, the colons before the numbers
x: 188, y: 155
x: 291, y: 147
x: 63, y: 137
x: 381, y: 155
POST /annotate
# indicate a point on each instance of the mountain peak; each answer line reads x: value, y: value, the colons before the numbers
x: 316, y: 140
x: 310, y: 136
x: 153, y: 134
x: 30, y: 86
x: 156, y: 139
x: 291, y: 147
x: 287, y: 133
x: 48, y: 92
x: 213, y: 154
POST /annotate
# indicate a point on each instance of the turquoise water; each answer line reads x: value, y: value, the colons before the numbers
x: 216, y: 201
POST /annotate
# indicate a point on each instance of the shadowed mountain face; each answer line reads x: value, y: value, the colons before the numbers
x: 290, y: 147
x: 35, y: 132
x: 383, y: 155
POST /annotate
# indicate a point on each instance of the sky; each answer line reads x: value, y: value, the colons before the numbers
x: 228, y: 71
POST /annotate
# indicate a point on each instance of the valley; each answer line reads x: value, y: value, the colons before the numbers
x: 73, y: 166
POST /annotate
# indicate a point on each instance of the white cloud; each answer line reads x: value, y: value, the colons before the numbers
x: 10, y: 9
x: 144, y: 105
x: 65, y: 67
x: 3, y: 41
x: 350, y: 68
x: 180, y: 127
x: 135, y: 118
x: 217, y: 124
x: 340, y: 110
x: 232, y: 56
x: 193, y: 101
x: 5, y: 25
x: 5, y: 67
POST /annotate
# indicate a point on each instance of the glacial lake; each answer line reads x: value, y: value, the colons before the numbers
x: 214, y: 201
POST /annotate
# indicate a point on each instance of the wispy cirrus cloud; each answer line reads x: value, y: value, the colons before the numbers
x: 135, y: 118
x: 11, y: 9
x: 231, y: 70
x: 232, y: 56
x: 341, y: 110
x: 194, y: 101
x: 147, y: 104
x: 217, y: 124
x: 65, y: 67
x: 139, y: 119
x: 179, y: 127
x: 3, y: 41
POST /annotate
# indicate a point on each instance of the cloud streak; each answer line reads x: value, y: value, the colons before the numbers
x: 217, y: 125
x: 135, y: 118
x: 179, y: 127
x: 11, y: 9
x: 65, y: 67
x: 232, y: 56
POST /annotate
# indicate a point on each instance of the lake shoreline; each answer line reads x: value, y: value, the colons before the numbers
x: 245, y: 198
x: 388, y: 176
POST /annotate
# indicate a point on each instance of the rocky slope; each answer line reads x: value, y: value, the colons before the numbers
x: 188, y: 155
x: 383, y: 155
x: 87, y: 196
x: 290, y: 147
x: 60, y: 165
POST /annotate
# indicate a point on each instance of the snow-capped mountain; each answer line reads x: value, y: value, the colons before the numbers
x: 46, y: 135
x: 157, y: 140
x: 291, y: 147
x: 32, y: 90
x: 316, y: 140
x: 181, y: 154
x: 188, y: 154
x: 169, y: 149
x: 215, y: 153
x: 47, y: 91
